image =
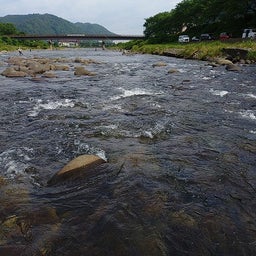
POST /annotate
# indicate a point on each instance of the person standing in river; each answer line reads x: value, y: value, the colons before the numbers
x: 20, y: 51
x: 103, y: 45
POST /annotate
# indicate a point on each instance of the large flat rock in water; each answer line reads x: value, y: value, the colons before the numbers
x: 76, y: 167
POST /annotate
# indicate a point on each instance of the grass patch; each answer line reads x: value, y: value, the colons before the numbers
x: 199, y: 50
x: 252, y: 55
x: 5, y: 47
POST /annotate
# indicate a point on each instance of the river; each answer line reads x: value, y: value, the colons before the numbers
x: 180, y: 147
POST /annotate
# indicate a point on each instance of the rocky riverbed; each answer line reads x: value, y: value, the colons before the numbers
x: 175, y: 143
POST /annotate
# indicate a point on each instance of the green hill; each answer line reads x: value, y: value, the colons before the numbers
x: 48, y: 24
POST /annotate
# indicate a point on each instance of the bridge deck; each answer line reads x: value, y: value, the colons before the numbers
x: 78, y: 37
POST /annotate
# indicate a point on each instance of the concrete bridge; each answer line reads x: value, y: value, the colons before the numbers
x: 78, y: 37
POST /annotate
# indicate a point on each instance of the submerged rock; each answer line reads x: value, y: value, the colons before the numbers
x: 76, y: 167
x: 159, y: 64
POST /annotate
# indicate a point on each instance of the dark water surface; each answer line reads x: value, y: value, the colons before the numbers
x: 181, y: 152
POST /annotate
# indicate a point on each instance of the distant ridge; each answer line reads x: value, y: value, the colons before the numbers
x: 48, y: 24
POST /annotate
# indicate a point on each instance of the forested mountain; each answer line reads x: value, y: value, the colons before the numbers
x: 43, y: 24
x: 194, y: 17
x: 91, y: 28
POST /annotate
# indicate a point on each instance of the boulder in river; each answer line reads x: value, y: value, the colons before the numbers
x: 81, y: 71
x: 60, y: 67
x: 49, y: 75
x: 85, y: 61
x: 19, y: 61
x: 222, y: 61
x: 11, y: 72
x: 38, y: 68
x: 76, y: 167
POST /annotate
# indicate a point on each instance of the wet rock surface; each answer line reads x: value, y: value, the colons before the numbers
x: 81, y: 71
x: 78, y: 167
x: 232, y: 67
x: 32, y: 66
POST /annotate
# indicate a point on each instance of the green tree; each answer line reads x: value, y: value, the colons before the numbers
x: 202, y: 16
x: 153, y: 24
x: 7, y: 29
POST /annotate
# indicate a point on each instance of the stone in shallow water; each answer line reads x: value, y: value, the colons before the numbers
x: 159, y: 64
x: 81, y: 71
x: 49, y: 75
x: 222, y: 61
x: 76, y: 167
x: 232, y: 67
x: 173, y: 70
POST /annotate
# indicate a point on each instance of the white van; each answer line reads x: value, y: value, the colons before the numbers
x: 183, y: 39
x: 249, y: 33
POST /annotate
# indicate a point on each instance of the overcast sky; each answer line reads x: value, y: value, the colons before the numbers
x: 118, y: 16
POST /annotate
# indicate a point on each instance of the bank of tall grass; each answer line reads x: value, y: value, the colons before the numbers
x: 198, y: 50
x: 5, y: 47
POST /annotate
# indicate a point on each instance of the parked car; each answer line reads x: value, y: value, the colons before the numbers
x: 224, y: 36
x: 204, y: 37
x: 183, y: 39
x: 195, y: 39
x: 249, y: 33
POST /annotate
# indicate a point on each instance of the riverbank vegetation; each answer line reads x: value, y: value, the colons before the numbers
x: 9, y: 44
x: 198, y: 50
x: 196, y: 17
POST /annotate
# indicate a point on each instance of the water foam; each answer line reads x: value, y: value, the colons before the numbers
x: 158, y: 128
x: 50, y: 105
x: 134, y: 92
x: 15, y: 161
x: 250, y: 95
x: 84, y: 148
x: 248, y: 114
x: 218, y: 92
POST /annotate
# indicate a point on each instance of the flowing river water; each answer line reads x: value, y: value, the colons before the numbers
x: 180, y: 147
